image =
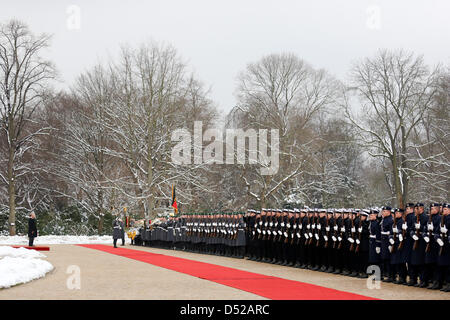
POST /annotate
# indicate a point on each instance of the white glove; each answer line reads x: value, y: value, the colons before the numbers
x: 282, y: 224
x: 294, y: 226
x: 404, y: 226
x: 300, y: 226
x: 288, y: 225
x: 285, y: 234
x: 378, y: 250
x: 271, y: 224
x: 357, y: 241
x: 395, y: 230
x: 353, y: 229
x: 310, y: 235
x: 260, y: 223
x: 390, y: 248
x: 265, y: 224
x: 400, y: 238
x: 279, y: 232
x: 313, y: 226
x: 426, y: 239
x: 264, y: 231
x: 334, y: 238
x: 360, y: 229
x: 415, y: 237
x: 343, y: 229
x: 339, y: 238
x: 440, y: 242
x: 298, y: 234
x: 351, y: 240
x: 391, y: 241
x: 335, y: 228
x: 306, y: 236
x: 326, y: 238
x: 444, y: 229
x: 317, y: 236
x: 430, y: 227
x: 253, y: 232
x: 319, y: 226
x: 327, y: 229
x: 417, y: 226
x: 274, y: 233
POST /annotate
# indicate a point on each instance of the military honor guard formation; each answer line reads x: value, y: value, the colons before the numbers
x: 408, y: 246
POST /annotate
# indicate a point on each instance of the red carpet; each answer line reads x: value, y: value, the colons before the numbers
x: 259, y: 284
x: 39, y: 248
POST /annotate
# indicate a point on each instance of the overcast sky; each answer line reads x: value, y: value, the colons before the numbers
x: 218, y: 38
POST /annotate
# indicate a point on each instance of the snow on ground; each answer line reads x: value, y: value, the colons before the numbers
x: 21, y: 265
x: 43, y: 240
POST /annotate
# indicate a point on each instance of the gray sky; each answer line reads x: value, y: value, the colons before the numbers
x: 218, y: 38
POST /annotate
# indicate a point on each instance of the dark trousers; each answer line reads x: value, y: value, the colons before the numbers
x: 115, y: 243
x: 30, y: 241
x: 386, y: 268
x: 429, y: 272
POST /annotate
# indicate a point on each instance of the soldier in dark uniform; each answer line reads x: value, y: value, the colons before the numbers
x: 117, y: 234
x: 337, y: 238
x: 322, y: 263
x: 418, y: 251
x: 362, y: 244
x: 407, y: 231
x: 443, y: 240
x: 398, y: 265
x: 309, y: 239
x: 354, y: 222
x: 303, y: 222
x: 432, y: 248
x: 386, y: 233
x: 329, y: 242
x: 345, y: 242
x: 374, y: 239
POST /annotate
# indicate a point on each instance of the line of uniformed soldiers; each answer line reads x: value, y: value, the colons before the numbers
x: 334, y: 241
x: 219, y: 234
x: 413, y: 246
x: 408, y: 246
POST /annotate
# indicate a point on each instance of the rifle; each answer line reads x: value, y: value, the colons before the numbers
x: 286, y: 240
x: 395, y: 234
x: 442, y: 234
x: 268, y: 231
x: 294, y: 233
x: 359, y: 235
x: 325, y: 245
x: 400, y: 246
x: 353, y: 234
x: 257, y: 225
x: 430, y: 233
x: 315, y: 230
x: 416, y: 242
x: 340, y: 233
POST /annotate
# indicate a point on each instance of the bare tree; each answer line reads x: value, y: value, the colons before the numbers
x: 282, y: 92
x: 23, y: 77
x: 395, y: 90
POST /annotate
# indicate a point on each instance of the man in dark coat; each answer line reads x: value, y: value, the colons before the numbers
x: 32, y: 229
x: 432, y: 248
x: 418, y: 251
x: 117, y: 234
x: 386, y: 247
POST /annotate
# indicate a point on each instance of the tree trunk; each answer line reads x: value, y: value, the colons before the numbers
x: 11, y: 193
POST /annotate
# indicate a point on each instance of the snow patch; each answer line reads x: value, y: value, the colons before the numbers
x: 21, y: 265
x: 52, y: 239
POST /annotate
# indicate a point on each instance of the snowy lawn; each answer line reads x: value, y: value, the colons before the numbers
x: 41, y: 240
x: 21, y: 265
